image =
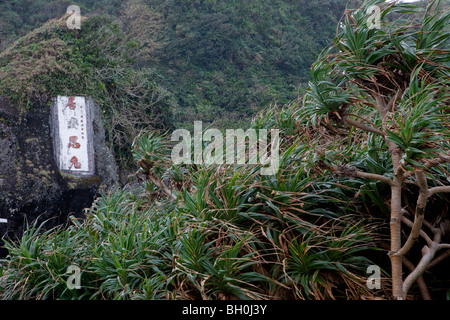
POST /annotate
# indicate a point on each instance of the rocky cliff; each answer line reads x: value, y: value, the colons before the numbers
x: 31, y: 185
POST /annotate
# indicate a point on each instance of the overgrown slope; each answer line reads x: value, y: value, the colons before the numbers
x: 99, y: 61
x: 223, y: 61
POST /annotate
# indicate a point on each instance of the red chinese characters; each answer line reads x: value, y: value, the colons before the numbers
x: 74, y: 163
x: 73, y: 142
x: 71, y: 103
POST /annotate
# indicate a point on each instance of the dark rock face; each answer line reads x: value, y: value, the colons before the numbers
x: 31, y: 185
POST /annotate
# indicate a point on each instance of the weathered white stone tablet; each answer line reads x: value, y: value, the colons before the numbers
x: 73, y: 135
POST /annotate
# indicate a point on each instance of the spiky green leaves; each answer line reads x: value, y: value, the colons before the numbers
x: 419, y: 125
x: 389, y: 80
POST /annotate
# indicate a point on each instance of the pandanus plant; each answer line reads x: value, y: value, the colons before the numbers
x: 391, y: 84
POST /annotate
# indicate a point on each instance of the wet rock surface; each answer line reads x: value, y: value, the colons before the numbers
x: 31, y: 185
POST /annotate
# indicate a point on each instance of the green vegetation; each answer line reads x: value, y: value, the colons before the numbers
x: 231, y: 58
x: 225, y: 231
x: 221, y: 61
x: 163, y: 64
x: 229, y: 233
x: 96, y: 61
x: 391, y: 83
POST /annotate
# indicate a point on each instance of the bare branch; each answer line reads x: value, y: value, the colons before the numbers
x: 444, y: 246
x: 352, y: 172
x: 431, y: 227
x: 422, y: 233
x: 420, y: 280
x: 362, y: 126
x: 419, y: 214
x: 381, y: 105
x: 422, y: 181
x: 439, y: 189
x: 390, y: 105
x: 443, y: 158
x: 443, y: 256
x: 427, y: 257
x: 166, y: 190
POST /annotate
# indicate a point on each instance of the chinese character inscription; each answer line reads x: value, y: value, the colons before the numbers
x: 73, y: 135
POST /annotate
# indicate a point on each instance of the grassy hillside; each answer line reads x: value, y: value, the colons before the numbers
x: 222, y: 61
x: 228, y: 59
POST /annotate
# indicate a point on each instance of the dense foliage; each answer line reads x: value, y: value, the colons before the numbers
x: 391, y: 83
x: 226, y: 231
x: 96, y: 61
x: 229, y: 233
x: 222, y: 61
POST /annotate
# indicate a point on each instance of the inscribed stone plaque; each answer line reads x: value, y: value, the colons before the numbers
x: 73, y: 135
